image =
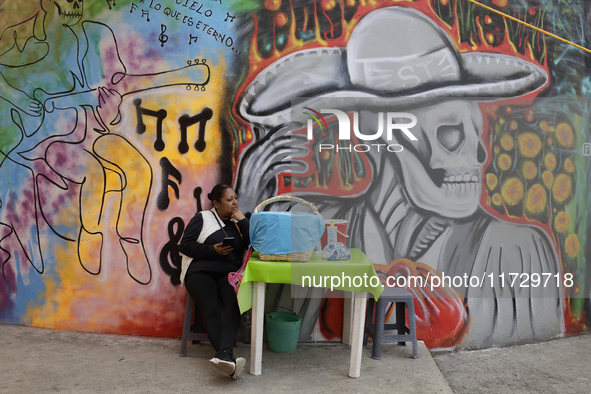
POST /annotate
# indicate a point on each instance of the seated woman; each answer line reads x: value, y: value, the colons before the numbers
x: 213, y: 246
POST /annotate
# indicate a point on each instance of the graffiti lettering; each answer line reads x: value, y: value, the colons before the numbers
x: 211, y: 31
x: 194, y: 7
x: 141, y: 127
x: 207, y: 28
x: 172, y: 13
x: 192, y: 39
x: 170, y: 257
x: 168, y: 170
x: 156, y: 6
x: 186, y: 121
x: 109, y: 3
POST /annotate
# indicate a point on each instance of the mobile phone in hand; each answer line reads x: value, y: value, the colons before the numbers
x: 228, y: 241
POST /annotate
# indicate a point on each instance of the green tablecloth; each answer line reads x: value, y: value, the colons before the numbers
x: 354, y: 274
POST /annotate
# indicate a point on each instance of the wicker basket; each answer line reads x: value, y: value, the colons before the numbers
x: 302, y: 256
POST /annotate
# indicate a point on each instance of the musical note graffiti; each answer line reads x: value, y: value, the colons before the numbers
x: 187, y: 121
x: 162, y: 37
x: 168, y: 170
x: 170, y: 257
x: 141, y: 127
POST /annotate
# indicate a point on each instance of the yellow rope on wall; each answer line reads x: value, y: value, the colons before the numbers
x: 530, y: 26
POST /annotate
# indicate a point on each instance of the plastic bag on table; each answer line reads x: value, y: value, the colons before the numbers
x: 285, y: 232
x: 334, y: 252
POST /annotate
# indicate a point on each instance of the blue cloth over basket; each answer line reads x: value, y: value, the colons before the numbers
x: 285, y: 232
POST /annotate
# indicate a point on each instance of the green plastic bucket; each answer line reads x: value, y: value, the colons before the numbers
x: 283, y: 331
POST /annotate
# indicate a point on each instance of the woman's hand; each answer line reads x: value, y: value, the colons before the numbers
x: 238, y: 215
x: 222, y: 250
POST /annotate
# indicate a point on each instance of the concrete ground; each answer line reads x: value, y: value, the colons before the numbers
x: 36, y: 360
x: 49, y: 361
x: 557, y: 366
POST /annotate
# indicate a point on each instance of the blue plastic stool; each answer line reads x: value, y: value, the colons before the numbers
x: 376, y: 330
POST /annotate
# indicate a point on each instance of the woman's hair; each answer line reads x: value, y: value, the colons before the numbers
x: 217, y: 192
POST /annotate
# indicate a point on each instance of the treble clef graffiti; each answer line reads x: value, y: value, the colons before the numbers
x: 162, y: 37
x: 170, y: 258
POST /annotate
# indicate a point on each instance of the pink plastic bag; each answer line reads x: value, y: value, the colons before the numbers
x: 236, y: 277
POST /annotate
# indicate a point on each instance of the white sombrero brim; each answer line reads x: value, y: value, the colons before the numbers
x: 322, y: 73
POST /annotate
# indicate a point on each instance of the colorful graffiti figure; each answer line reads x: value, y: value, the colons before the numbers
x: 61, y: 89
x: 423, y: 204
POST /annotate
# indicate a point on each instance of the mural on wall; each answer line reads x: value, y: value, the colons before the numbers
x: 487, y: 190
x: 106, y: 126
x: 118, y: 115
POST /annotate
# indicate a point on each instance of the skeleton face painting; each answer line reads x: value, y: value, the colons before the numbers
x: 68, y: 12
x: 442, y: 171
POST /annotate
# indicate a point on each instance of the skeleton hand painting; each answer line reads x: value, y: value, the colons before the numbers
x: 424, y: 203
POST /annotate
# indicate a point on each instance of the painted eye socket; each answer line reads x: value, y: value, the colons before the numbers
x: 451, y: 136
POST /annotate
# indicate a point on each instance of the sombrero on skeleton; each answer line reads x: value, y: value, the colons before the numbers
x: 398, y: 57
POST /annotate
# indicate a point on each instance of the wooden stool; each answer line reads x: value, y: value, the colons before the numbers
x: 376, y: 330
